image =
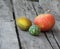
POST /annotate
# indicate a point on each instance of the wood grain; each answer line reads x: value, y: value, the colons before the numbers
x: 56, y: 32
x: 5, y: 10
x: 25, y: 8
x: 8, y: 37
x: 48, y: 34
x: 53, y: 5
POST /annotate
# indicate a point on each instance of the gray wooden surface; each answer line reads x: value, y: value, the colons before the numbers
x: 11, y: 37
x: 8, y: 36
x: 56, y: 32
x: 24, y: 8
x: 5, y: 10
x: 48, y: 34
x: 31, y: 10
x: 53, y: 5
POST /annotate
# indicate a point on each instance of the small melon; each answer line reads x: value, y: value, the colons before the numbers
x: 23, y: 23
x: 34, y: 30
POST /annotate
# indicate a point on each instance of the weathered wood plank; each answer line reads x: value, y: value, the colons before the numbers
x: 38, y: 8
x: 53, y: 5
x: 8, y: 4
x: 56, y: 32
x: 49, y: 34
x: 31, y: 42
x: 52, y: 40
x: 24, y: 8
x: 8, y: 37
x: 5, y: 10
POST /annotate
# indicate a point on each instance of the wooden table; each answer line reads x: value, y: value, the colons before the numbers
x: 11, y: 37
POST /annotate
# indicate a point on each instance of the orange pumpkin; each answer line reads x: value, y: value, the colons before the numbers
x: 45, y: 21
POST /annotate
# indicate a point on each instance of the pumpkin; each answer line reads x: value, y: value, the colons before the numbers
x: 34, y: 30
x: 23, y: 23
x: 45, y: 21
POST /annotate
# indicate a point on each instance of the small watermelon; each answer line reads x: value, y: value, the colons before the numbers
x: 34, y: 30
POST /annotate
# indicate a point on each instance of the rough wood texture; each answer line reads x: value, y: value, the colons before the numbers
x: 24, y: 8
x: 52, y: 40
x: 8, y: 37
x: 31, y: 42
x: 38, y: 8
x: 56, y: 32
x: 48, y: 34
x: 53, y: 5
x: 5, y: 10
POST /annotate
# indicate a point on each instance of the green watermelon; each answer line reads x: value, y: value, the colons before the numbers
x: 34, y: 30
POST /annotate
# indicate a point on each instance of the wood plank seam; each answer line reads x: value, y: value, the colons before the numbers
x: 48, y: 39
x: 16, y: 26
x: 21, y: 33
x: 55, y: 39
x: 45, y: 32
x: 34, y: 9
